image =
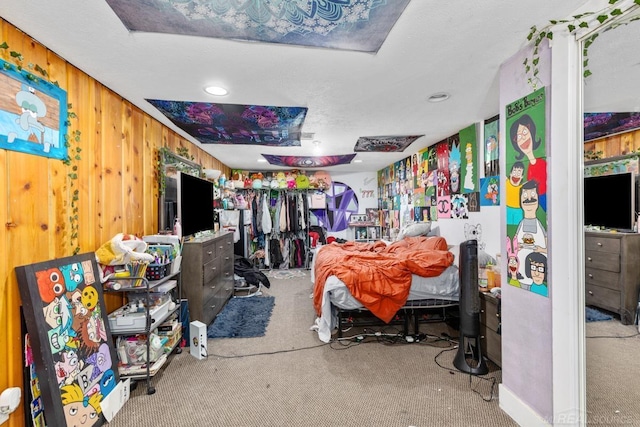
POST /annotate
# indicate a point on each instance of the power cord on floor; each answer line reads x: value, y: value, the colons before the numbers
x: 615, y: 336
x: 266, y: 353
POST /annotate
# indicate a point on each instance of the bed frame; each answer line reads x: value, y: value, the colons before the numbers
x: 412, y: 310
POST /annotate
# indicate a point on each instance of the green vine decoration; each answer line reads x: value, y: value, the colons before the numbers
x: 593, y: 155
x: 162, y: 176
x: 72, y: 142
x: 574, y: 25
x: 184, y: 151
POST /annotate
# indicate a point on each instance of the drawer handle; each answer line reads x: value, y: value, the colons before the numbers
x: 213, y: 306
x: 220, y: 247
x: 589, y: 258
x: 481, y: 311
x: 590, y: 292
x: 590, y: 276
x: 209, y: 252
x: 599, y: 243
x: 213, y: 268
x: 213, y: 287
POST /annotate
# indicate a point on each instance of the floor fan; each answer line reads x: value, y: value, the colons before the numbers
x: 469, y: 356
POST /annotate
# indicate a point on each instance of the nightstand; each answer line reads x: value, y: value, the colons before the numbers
x: 490, y: 321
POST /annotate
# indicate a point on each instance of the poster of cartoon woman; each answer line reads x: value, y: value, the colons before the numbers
x: 526, y: 193
x: 526, y: 127
x: 469, y: 152
x: 491, y: 152
x: 74, y: 354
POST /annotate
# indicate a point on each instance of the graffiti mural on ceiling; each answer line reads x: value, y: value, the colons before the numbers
x: 599, y: 125
x: 386, y: 144
x: 308, y: 161
x: 236, y: 124
x: 342, y: 201
x: 359, y: 25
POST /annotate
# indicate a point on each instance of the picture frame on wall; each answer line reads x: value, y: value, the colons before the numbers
x: 73, y: 351
x: 33, y: 114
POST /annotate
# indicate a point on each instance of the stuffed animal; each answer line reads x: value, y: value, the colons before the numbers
x: 291, y: 181
x: 282, y: 180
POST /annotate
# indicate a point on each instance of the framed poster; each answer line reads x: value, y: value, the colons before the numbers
x: 33, y: 114
x: 72, y: 348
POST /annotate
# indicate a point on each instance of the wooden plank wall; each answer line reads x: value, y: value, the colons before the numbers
x: 615, y: 145
x: 116, y: 179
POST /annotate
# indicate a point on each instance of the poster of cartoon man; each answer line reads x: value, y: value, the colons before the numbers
x: 526, y: 186
x: 33, y: 114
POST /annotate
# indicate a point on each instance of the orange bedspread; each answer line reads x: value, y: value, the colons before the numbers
x: 377, y: 275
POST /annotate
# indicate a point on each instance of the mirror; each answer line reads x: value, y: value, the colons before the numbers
x: 613, y: 87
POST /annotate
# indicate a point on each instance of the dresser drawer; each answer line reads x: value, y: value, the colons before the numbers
x: 224, y: 245
x: 211, y: 271
x: 489, y: 312
x: 604, y: 244
x: 602, y: 260
x: 604, y: 278
x: 209, y: 252
x: 491, y: 344
x: 214, y: 304
x: 602, y: 297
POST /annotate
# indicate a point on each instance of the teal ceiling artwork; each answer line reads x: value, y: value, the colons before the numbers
x: 359, y: 25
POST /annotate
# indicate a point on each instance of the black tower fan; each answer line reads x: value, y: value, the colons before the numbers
x: 469, y: 357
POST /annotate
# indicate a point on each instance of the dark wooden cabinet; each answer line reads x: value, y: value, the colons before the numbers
x: 612, y: 272
x: 207, y: 275
x: 490, y: 337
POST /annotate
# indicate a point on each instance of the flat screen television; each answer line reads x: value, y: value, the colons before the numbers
x: 609, y: 201
x: 195, y: 204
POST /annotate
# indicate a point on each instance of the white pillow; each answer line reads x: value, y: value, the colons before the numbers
x: 415, y: 229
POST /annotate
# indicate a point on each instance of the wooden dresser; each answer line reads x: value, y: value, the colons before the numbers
x: 491, y: 340
x: 612, y: 272
x: 207, y: 275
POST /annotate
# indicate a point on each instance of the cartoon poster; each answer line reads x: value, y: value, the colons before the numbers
x: 526, y: 193
x: 442, y: 152
x: 469, y: 165
x: 33, y: 114
x: 490, y: 191
x: 454, y: 165
x: 491, y: 151
x: 459, y: 206
x: 72, y: 347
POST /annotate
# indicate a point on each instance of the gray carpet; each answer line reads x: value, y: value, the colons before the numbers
x: 370, y: 384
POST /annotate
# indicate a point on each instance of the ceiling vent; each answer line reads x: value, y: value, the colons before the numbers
x: 307, y: 135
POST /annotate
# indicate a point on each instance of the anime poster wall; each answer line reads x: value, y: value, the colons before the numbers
x: 71, y: 345
x: 526, y: 189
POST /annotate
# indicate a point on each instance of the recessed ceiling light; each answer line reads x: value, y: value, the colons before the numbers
x: 439, y: 97
x: 262, y: 160
x: 216, y: 90
x: 357, y: 161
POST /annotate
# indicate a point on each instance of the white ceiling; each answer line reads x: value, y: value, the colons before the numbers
x: 455, y: 46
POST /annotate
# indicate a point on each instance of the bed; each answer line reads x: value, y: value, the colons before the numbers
x: 382, y: 278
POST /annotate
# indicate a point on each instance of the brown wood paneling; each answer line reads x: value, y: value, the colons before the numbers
x: 117, y: 186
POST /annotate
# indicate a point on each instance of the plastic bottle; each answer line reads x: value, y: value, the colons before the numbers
x: 177, y: 228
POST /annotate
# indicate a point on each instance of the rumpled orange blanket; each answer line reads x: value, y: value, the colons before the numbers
x: 377, y: 275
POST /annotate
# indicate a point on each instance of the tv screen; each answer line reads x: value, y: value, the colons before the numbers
x: 195, y: 204
x: 609, y: 201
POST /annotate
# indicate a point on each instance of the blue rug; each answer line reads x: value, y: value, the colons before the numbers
x: 243, y: 318
x: 594, y: 315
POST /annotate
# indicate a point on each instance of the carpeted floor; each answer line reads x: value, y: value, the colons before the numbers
x: 289, y: 378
